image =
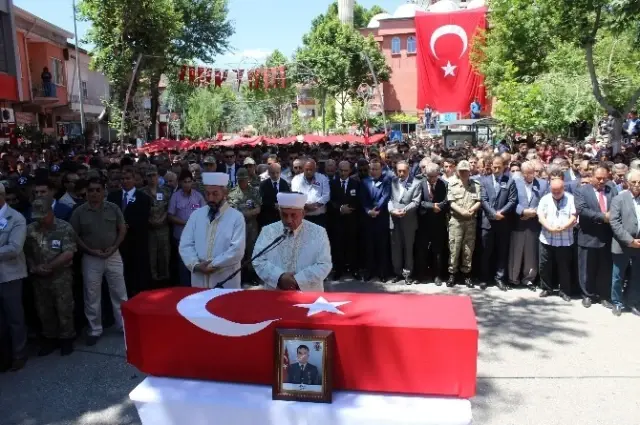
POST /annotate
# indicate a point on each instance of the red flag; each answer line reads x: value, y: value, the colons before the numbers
x: 183, y: 72
x: 250, y: 79
x: 192, y: 74
x: 208, y: 76
x: 257, y: 79
x: 446, y: 79
x: 285, y: 360
x: 181, y: 332
x: 218, y: 78
x: 266, y: 77
x: 201, y: 75
x: 224, y: 76
x: 283, y: 77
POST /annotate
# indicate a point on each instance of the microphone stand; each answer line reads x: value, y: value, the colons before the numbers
x: 277, y: 241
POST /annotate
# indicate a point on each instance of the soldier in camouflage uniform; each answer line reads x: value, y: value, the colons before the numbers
x: 464, y: 198
x: 254, y: 178
x: 159, y: 241
x: 246, y: 199
x: 49, y: 248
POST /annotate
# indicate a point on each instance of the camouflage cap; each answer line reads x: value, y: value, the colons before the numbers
x: 152, y: 169
x: 40, y: 208
x: 463, y: 165
x: 209, y: 160
x: 242, y: 174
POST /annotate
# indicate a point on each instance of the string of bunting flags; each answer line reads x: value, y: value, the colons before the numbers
x: 257, y: 78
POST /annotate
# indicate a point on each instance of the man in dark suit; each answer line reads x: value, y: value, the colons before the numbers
x: 303, y: 372
x: 268, y: 191
x: 523, y: 252
x: 345, y: 205
x: 432, y: 238
x: 135, y: 206
x: 625, y: 246
x: 593, y: 203
x: 499, y: 200
x: 229, y: 166
x: 374, y: 197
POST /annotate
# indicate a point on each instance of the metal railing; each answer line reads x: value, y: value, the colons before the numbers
x: 44, y: 90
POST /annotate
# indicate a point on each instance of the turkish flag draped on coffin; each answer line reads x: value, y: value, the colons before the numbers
x: 394, y: 343
x: 446, y: 79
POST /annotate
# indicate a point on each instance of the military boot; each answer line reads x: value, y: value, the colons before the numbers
x: 47, y: 346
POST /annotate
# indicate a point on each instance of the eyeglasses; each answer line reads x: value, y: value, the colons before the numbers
x: 634, y: 182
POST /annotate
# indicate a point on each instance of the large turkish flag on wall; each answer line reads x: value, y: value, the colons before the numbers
x: 446, y: 79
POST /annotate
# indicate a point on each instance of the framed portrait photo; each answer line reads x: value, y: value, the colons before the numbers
x: 303, y: 365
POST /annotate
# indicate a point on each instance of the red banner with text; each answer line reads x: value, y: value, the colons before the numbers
x: 446, y: 80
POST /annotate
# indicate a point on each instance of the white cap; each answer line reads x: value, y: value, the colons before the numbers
x: 215, y: 179
x: 292, y: 200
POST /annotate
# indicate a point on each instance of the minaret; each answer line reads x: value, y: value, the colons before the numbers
x: 345, y: 11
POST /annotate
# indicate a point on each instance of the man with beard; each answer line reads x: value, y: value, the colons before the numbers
x: 213, y: 241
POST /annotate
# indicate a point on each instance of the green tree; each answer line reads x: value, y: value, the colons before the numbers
x: 361, y: 15
x: 211, y: 110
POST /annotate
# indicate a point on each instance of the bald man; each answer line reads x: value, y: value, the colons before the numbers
x: 269, y: 190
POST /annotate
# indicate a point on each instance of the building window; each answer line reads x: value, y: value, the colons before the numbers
x: 395, y: 46
x: 411, y: 45
x: 83, y: 88
x: 57, y: 72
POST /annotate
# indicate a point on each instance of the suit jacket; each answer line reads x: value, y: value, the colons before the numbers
x: 405, y: 196
x: 504, y: 201
x: 593, y: 231
x: 624, y: 224
x: 439, y: 196
x: 136, y: 216
x: 310, y: 376
x: 13, y: 265
x: 375, y: 193
x: 268, y: 212
x: 339, y: 197
x: 538, y: 189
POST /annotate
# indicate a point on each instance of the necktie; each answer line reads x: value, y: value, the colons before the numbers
x: 601, y: 201
x: 125, y: 200
x: 230, y: 176
x: 432, y: 191
x: 275, y: 186
x: 344, y: 186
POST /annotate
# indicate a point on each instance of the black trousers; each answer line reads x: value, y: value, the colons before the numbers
x: 345, y: 244
x: 495, y: 253
x: 555, y: 267
x: 320, y: 219
x: 377, y: 246
x: 594, y: 272
x: 431, y: 247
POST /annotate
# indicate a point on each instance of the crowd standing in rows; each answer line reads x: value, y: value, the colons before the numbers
x: 81, y: 232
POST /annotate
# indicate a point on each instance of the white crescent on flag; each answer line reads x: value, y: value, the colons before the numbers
x: 449, y: 29
x: 194, y: 309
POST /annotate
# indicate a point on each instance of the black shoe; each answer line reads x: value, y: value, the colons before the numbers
x: 437, y: 281
x: 607, y: 304
x: 356, y: 276
x: 468, y: 281
x: 91, y: 340
x: 395, y: 279
x: 501, y: 285
x: 18, y: 364
x: 451, y: 282
x: 337, y: 275
x: 635, y: 311
x: 586, y: 302
x: 47, y: 347
x: 366, y: 277
x: 617, y: 310
x: 66, y: 347
x: 565, y: 297
x: 530, y: 285
x: 545, y: 293
x: 483, y: 285
x: 408, y: 281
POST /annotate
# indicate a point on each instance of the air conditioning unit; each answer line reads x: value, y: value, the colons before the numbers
x: 7, y: 116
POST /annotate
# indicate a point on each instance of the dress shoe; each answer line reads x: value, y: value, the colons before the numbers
x: 47, y: 346
x: 635, y: 311
x: 437, y: 281
x: 468, y: 281
x: 408, y: 281
x: 395, y: 279
x: 502, y: 286
x: 91, y: 340
x: 617, y: 310
x: 586, y: 302
x: 66, y: 347
x: 565, y: 297
x: 529, y: 285
x: 18, y: 364
x: 483, y: 285
x: 366, y: 277
x: 356, y: 276
x: 451, y: 282
x: 607, y: 304
x: 337, y: 275
x: 545, y: 293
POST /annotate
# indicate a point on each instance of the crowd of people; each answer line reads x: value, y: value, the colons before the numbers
x: 83, y: 231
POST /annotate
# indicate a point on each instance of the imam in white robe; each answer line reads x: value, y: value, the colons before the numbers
x: 222, y: 242
x: 306, y: 254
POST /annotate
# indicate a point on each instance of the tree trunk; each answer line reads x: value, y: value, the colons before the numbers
x: 324, y: 113
x: 615, y: 134
x: 155, y: 104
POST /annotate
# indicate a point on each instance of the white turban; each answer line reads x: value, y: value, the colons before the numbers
x: 215, y: 179
x: 292, y: 200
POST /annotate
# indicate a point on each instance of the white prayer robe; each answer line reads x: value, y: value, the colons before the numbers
x: 306, y: 254
x: 222, y: 242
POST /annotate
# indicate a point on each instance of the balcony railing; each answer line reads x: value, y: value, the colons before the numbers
x: 93, y: 101
x: 44, y: 90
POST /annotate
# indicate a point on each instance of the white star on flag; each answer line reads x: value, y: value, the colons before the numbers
x: 322, y: 305
x: 448, y: 70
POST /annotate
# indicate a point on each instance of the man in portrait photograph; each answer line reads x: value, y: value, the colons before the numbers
x: 303, y: 372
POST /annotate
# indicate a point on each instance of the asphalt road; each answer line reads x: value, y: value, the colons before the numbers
x: 541, y: 361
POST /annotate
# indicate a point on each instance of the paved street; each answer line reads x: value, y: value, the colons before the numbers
x: 542, y: 361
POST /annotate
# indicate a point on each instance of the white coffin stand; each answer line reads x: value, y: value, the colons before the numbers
x: 166, y: 401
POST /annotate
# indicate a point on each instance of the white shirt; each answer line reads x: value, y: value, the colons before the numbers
x: 67, y: 199
x: 277, y: 183
x: 636, y: 203
x: 306, y: 254
x: 231, y: 171
x: 129, y: 194
x: 317, y: 191
x: 344, y: 184
x: 557, y: 214
x: 222, y: 242
x: 528, y: 187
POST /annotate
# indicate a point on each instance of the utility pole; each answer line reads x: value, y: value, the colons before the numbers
x: 83, y: 122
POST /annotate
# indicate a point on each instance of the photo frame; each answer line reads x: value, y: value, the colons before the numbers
x: 303, y: 365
